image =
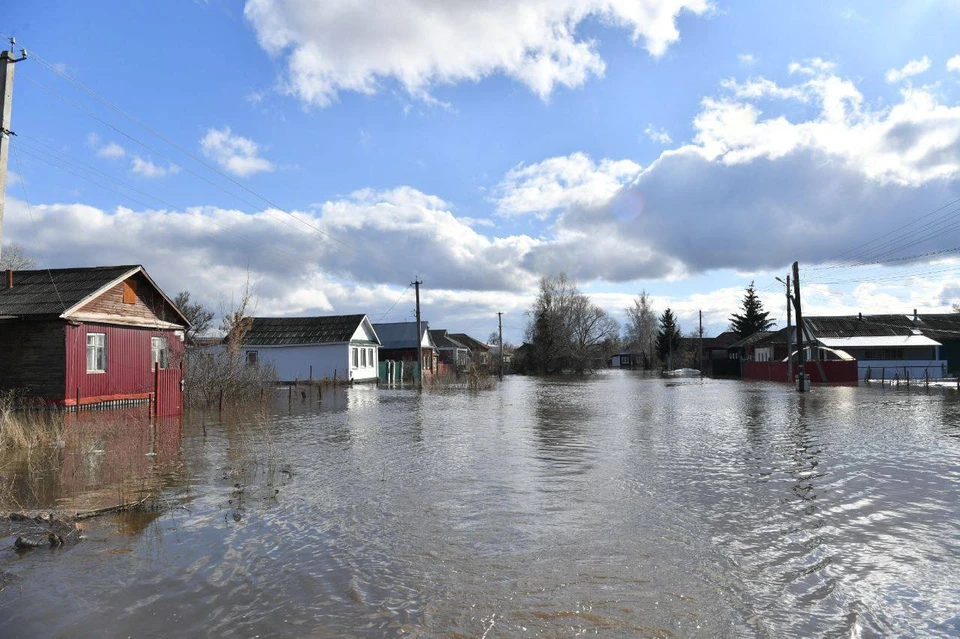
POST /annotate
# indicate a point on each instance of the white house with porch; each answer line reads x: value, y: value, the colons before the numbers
x: 339, y: 347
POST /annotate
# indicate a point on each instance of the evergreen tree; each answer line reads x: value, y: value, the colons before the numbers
x: 753, y: 318
x: 668, y: 337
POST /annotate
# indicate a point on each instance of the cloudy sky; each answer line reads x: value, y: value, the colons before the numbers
x: 335, y: 151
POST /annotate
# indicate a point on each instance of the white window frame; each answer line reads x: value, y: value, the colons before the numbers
x: 371, y: 358
x: 354, y: 357
x: 159, y: 353
x: 97, y: 348
x: 363, y: 358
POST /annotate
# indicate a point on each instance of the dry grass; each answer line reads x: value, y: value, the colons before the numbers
x: 26, y: 426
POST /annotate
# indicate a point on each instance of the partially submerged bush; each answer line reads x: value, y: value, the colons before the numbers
x: 212, y: 376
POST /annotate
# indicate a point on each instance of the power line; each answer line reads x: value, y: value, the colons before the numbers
x: 26, y: 198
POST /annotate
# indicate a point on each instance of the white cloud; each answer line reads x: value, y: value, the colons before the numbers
x: 357, y: 46
x: 111, y: 151
x: 953, y: 64
x: 910, y: 69
x: 233, y: 153
x: 146, y: 168
x: 562, y: 182
x: 747, y: 58
x: 660, y: 136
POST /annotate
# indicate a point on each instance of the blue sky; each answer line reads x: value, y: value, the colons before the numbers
x: 683, y: 147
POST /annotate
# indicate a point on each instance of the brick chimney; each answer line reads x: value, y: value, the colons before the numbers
x: 915, y: 318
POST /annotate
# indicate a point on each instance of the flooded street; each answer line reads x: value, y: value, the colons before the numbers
x: 618, y: 505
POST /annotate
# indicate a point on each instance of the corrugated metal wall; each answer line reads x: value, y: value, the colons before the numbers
x: 129, y: 367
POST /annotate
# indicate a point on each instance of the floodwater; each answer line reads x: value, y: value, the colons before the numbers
x: 617, y: 505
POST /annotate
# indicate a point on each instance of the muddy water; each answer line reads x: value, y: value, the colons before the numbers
x: 618, y: 505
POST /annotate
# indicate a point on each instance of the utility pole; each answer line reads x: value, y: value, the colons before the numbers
x: 500, y: 327
x: 801, y: 377
x: 700, y: 356
x: 416, y: 284
x: 6, y: 105
x: 789, y: 337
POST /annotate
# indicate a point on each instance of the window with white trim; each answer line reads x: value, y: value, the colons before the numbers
x: 355, y: 357
x: 363, y: 357
x: 253, y: 358
x: 160, y: 352
x: 370, y: 357
x: 96, y: 352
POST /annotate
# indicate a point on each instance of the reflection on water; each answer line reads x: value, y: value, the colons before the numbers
x: 620, y: 504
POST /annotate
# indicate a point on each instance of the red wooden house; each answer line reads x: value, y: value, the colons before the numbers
x: 105, y: 335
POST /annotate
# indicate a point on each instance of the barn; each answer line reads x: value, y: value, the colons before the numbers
x: 96, y: 336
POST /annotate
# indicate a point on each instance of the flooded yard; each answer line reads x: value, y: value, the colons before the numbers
x: 617, y: 504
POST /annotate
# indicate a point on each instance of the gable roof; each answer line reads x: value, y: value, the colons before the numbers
x: 444, y: 341
x: 291, y: 331
x: 937, y: 326
x: 723, y: 340
x: 59, y: 292
x: 469, y: 342
x: 751, y: 340
x: 401, y: 334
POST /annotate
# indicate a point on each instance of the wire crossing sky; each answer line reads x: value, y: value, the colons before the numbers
x: 334, y: 152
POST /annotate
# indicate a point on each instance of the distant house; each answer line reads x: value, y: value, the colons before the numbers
x: 103, y: 335
x: 330, y: 347
x: 627, y: 360
x: 716, y: 358
x: 478, y: 351
x: 451, y: 352
x: 398, y: 343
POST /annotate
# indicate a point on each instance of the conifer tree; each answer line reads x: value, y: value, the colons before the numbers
x: 753, y: 318
x: 668, y: 336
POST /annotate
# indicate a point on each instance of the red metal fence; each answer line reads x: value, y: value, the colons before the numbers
x: 820, y: 372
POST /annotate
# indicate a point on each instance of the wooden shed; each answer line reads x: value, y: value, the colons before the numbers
x: 103, y: 335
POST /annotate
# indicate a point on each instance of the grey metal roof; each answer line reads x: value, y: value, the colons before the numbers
x: 400, y: 334
x: 854, y: 326
x: 51, y: 292
x: 750, y: 340
x: 469, y: 342
x: 289, y: 331
x: 443, y: 339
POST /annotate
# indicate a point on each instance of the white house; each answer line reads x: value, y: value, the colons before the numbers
x: 343, y: 347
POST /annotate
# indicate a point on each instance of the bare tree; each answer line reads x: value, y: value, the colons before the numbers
x: 13, y: 256
x: 566, y: 330
x: 641, y: 333
x: 200, y: 318
x: 235, y: 322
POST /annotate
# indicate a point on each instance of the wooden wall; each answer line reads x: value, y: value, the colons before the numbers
x: 147, y: 303
x: 32, y: 358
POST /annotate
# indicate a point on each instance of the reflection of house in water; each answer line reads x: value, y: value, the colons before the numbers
x: 107, y: 458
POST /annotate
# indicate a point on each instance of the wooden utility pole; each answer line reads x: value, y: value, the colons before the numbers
x: 789, y: 337
x: 416, y: 284
x: 801, y: 377
x: 500, y: 327
x: 700, y: 356
x: 6, y: 105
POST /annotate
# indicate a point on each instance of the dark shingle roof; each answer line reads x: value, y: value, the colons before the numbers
x: 442, y: 339
x: 751, y: 340
x: 722, y: 340
x: 469, y: 342
x: 51, y: 292
x: 399, y: 334
x: 288, y: 331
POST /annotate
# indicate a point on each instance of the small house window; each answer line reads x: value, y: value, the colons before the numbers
x: 355, y: 357
x: 130, y: 292
x: 160, y: 352
x: 253, y: 358
x: 370, y: 357
x: 363, y: 357
x: 96, y: 352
